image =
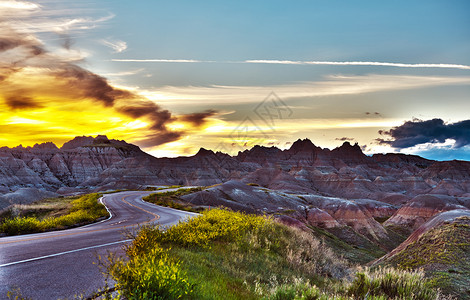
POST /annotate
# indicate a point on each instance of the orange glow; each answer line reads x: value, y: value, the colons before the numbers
x: 57, y: 113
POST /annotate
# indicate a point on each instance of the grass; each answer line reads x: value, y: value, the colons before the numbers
x: 444, y: 254
x: 232, y: 255
x: 344, y: 241
x: 171, y: 199
x: 53, y: 215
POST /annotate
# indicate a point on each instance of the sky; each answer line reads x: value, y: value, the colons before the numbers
x: 174, y: 76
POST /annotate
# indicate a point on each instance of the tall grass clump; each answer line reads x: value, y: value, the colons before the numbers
x: 149, y: 275
x: 393, y: 283
x: 83, y: 210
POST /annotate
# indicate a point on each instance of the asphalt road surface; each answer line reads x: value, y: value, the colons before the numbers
x: 63, y: 264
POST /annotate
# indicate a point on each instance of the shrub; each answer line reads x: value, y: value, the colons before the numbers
x: 152, y: 275
x: 21, y: 225
x: 392, y: 283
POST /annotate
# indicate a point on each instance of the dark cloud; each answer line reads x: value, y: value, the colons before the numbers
x: 67, y: 42
x: 21, y: 102
x: 151, y: 111
x: 10, y: 40
x: 159, y: 138
x: 416, y: 132
x: 343, y: 139
x: 198, y: 119
x: 90, y: 85
x: 7, y: 44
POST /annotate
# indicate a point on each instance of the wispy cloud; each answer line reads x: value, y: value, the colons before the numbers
x: 164, y: 60
x: 359, y: 63
x: 123, y: 73
x: 331, y: 85
x: 118, y: 46
x: 300, y: 62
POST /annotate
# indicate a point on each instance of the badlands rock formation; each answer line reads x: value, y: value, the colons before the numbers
x: 321, y: 187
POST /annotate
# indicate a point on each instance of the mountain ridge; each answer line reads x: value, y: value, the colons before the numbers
x: 98, y: 163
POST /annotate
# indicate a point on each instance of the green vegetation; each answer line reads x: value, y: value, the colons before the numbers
x: 444, y: 254
x: 171, y: 199
x: 230, y: 255
x: 346, y: 242
x: 151, y: 275
x: 52, y: 215
x: 391, y: 283
x: 152, y: 188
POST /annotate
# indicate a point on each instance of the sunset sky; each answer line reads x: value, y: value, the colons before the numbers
x: 174, y: 76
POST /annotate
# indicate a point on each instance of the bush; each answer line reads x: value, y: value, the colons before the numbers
x: 391, y: 283
x: 21, y: 225
x: 152, y: 275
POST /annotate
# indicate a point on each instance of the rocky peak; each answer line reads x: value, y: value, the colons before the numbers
x: 346, y: 146
x: 45, y: 146
x: 101, y: 139
x: 302, y: 145
x: 258, y: 152
x: 204, y: 152
x: 77, y: 142
x: 349, y: 150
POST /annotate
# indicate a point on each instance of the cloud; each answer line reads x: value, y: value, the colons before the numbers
x: 21, y: 102
x: 343, y: 139
x: 311, y: 63
x: 32, y: 77
x: 198, y: 119
x: 329, y: 86
x: 117, y: 45
x: 434, y: 131
x: 162, y: 60
x: 377, y: 114
x: 358, y: 63
x: 123, y: 73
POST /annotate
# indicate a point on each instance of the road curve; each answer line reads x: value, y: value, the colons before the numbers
x: 63, y: 264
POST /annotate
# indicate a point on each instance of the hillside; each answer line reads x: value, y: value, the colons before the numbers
x: 441, y: 247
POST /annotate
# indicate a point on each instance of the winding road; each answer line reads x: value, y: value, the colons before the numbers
x: 63, y: 264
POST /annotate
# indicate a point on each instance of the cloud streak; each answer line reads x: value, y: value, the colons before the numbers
x: 310, y: 63
x: 117, y: 46
x: 163, y: 60
x: 360, y: 63
x: 331, y: 85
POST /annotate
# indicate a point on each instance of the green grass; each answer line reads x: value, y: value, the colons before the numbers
x: 229, y: 255
x: 346, y: 242
x: 444, y: 254
x: 57, y: 215
x: 392, y: 283
x: 171, y: 199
